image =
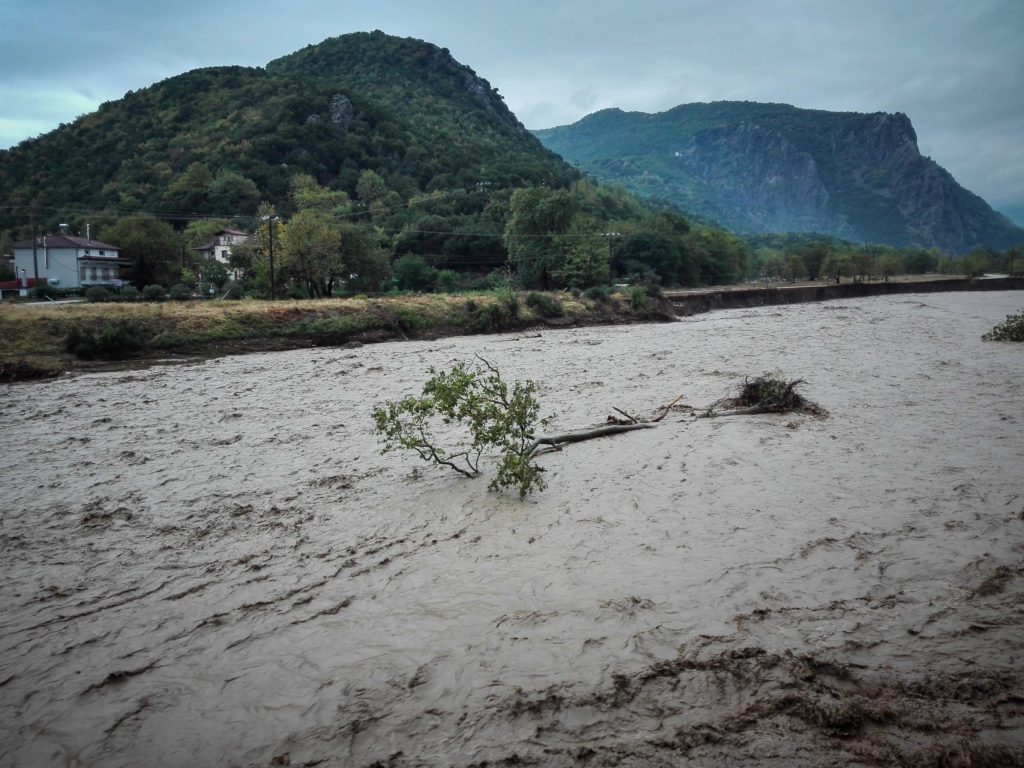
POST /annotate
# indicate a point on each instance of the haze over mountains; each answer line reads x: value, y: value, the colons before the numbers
x: 218, y: 141
x: 756, y: 168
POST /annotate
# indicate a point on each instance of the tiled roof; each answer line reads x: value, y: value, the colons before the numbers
x: 66, y: 241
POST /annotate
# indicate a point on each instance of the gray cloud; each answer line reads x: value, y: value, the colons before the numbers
x: 957, y: 69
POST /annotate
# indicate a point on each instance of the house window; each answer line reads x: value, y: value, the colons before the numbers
x: 106, y: 273
x: 82, y: 274
x: 86, y: 251
x: 103, y: 253
x: 94, y: 271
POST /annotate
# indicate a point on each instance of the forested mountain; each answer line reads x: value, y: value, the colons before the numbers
x: 757, y: 168
x: 402, y: 108
x: 370, y: 162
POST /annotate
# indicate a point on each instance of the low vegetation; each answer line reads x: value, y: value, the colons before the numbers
x: 1012, y: 329
x: 57, y: 337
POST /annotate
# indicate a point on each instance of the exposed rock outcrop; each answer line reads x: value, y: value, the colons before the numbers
x: 758, y: 168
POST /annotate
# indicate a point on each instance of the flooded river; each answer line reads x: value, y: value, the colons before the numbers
x: 211, y: 564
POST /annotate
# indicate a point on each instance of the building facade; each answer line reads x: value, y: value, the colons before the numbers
x: 219, y: 248
x: 66, y: 261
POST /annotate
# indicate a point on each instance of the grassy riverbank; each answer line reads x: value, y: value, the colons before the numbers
x: 40, y: 340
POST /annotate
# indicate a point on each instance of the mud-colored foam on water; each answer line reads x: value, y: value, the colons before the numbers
x: 213, y: 566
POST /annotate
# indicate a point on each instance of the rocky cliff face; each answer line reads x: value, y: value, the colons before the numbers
x: 757, y: 173
x: 758, y: 168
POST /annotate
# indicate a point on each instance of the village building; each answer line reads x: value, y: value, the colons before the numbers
x: 219, y: 248
x: 67, y: 261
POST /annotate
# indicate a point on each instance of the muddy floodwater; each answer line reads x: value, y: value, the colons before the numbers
x: 211, y: 564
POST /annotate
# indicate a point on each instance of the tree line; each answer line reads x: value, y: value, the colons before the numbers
x: 325, y: 242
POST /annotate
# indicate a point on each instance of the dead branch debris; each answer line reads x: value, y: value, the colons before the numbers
x: 767, y: 393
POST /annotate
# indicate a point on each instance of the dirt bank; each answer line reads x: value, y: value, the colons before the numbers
x: 695, y: 302
x: 211, y: 565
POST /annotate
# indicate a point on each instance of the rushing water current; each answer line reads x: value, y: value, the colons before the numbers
x: 213, y: 565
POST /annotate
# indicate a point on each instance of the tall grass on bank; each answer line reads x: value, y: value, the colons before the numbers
x: 58, y: 335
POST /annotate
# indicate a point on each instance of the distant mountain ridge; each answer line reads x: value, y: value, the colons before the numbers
x: 757, y: 168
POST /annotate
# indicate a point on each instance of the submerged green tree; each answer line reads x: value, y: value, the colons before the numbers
x: 493, y: 417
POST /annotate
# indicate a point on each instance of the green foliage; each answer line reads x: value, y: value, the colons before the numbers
x: 585, y: 259
x: 448, y: 281
x: 154, y: 293
x: 602, y: 294
x: 129, y: 293
x: 153, y: 247
x: 180, y: 292
x: 111, y: 341
x: 491, y: 317
x: 412, y: 273
x: 837, y: 265
x: 1012, y: 329
x: 311, y: 252
x: 544, y: 305
x: 491, y: 416
x: 649, y: 251
x: 974, y: 264
x: 637, y: 297
x: 888, y: 264
x: 538, y: 216
x: 97, y: 293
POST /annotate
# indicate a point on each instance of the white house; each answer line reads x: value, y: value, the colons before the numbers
x: 220, y: 247
x: 66, y: 261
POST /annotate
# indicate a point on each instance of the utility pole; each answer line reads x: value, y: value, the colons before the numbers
x: 35, y: 258
x: 273, y: 288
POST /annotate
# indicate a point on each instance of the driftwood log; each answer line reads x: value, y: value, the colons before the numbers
x: 587, y: 434
x: 762, y: 395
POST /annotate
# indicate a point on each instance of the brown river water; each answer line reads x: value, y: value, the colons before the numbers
x: 211, y: 564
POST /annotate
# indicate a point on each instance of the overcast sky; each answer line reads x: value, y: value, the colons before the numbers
x: 956, y: 67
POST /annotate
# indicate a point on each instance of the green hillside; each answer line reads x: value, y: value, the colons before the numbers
x: 403, y: 109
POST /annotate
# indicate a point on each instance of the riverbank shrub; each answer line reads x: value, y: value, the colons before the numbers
x: 602, y: 294
x: 115, y: 340
x: 544, y: 305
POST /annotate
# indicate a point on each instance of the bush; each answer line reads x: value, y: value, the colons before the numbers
x: 602, y: 294
x: 98, y: 294
x: 489, y: 318
x: 1010, y: 330
x: 129, y: 293
x: 154, y: 293
x: 448, y: 281
x: 412, y: 273
x: 544, y: 305
x: 46, y: 291
x: 111, y: 341
x: 234, y: 291
x: 637, y: 297
x: 180, y: 292
x: 297, y: 293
